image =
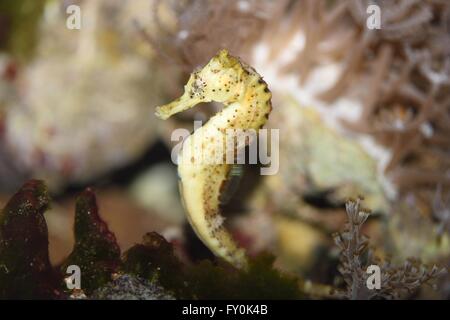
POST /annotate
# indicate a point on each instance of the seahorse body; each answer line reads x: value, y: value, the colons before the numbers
x: 247, y: 100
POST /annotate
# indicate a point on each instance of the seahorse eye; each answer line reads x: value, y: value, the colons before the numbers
x: 198, y: 86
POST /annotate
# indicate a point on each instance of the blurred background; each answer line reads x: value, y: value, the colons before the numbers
x: 361, y: 112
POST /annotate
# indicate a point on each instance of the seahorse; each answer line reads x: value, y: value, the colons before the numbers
x: 247, y: 103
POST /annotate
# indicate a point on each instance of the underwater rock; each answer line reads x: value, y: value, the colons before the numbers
x: 316, y: 159
x: 356, y: 257
x: 96, y: 251
x: 25, y: 270
x: 157, y: 190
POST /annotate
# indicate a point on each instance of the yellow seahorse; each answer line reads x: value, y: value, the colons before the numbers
x: 247, y: 100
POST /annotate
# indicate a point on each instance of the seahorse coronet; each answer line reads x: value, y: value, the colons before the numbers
x: 247, y: 105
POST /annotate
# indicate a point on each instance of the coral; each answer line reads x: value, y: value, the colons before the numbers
x: 353, y: 245
x: 96, y: 251
x: 355, y: 256
x: 198, y: 29
x: 399, y: 73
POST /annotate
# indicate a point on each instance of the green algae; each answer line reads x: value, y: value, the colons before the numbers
x: 25, y: 269
x: 96, y: 251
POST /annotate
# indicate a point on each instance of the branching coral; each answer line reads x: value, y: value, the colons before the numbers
x: 127, y: 287
x: 196, y: 30
x: 396, y: 281
x: 400, y: 72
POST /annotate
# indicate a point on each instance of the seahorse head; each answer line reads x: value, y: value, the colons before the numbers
x: 221, y: 80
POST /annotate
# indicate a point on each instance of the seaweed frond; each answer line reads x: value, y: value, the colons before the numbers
x: 25, y: 269
x: 96, y: 250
